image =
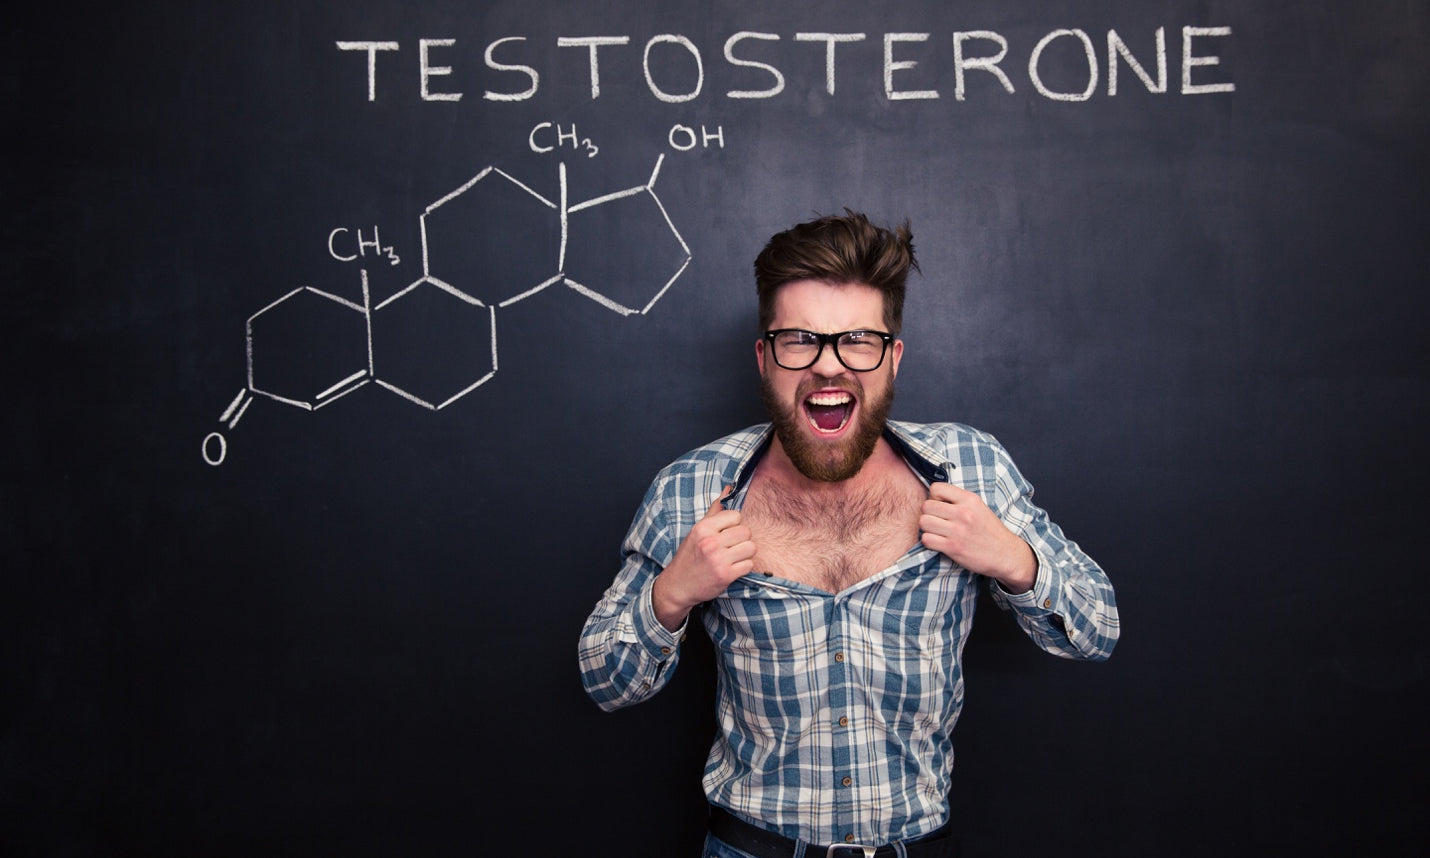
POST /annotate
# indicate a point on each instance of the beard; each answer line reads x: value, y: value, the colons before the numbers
x: 827, y: 462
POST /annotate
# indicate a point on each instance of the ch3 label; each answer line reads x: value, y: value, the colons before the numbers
x: 347, y: 245
x: 549, y: 136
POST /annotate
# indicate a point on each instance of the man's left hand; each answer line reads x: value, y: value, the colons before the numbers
x: 958, y: 524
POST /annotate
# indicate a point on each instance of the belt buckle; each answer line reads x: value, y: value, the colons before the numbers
x: 862, y: 850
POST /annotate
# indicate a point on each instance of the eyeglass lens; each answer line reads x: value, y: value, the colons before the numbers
x: 860, y: 351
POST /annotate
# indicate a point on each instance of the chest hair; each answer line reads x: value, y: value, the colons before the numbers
x: 828, y: 542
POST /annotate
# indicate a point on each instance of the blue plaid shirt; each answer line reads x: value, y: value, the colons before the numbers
x: 835, y: 710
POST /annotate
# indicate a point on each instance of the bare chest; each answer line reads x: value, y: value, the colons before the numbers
x: 833, y: 545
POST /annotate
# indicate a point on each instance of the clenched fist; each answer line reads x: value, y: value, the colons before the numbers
x: 717, y: 550
x: 958, y: 524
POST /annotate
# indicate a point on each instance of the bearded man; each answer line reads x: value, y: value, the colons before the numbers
x: 834, y: 557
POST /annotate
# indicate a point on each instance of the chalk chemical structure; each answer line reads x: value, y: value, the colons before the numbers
x: 435, y: 341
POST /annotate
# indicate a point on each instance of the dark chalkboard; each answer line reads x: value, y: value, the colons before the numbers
x: 342, y: 340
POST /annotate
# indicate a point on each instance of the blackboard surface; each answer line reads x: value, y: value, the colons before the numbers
x: 342, y: 339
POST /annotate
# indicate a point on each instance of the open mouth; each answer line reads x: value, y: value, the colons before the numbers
x: 829, y: 411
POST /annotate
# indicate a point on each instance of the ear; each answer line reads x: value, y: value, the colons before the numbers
x: 898, y: 354
x: 760, y: 354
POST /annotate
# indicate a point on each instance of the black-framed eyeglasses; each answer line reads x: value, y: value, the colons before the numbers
x: 860, y: 351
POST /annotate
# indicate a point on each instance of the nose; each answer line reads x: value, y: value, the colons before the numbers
x: 827, y: 365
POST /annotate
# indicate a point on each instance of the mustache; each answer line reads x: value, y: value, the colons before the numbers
x: 848, y: 385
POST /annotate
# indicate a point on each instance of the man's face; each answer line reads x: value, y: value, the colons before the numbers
x: 827, y: 417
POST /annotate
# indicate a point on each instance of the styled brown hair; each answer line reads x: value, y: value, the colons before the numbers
x: 838, y: 249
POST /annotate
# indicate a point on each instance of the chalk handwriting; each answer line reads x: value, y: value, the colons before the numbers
x: 340, y: 236
x: 514, y: 62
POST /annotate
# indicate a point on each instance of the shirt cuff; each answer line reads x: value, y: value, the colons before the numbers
x: 1041, y: 600
x: 659, y: 642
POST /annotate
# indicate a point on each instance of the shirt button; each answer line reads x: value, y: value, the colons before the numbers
x: 665, y: 650
x: 849, y: 838
x: 847, y: 781
x: 839, y: 656
x: 1047, y: 603
x: 844, y: 720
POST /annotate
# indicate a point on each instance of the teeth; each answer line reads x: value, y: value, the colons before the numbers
x: 836, y: 398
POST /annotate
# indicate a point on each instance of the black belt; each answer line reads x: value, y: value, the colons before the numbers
x: 767, y: 844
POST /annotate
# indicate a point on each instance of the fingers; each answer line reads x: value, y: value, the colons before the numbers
x: 940, y: 505
x: 949, y: 493
x: 949, y: 502
x: 724, y: 541
x: 949, y: 517
x: 729, y: 537
x: 959, y: 524
x: 716, y: 551
x: 715, y: 507
x: 739, y: 553
x: 742, y: 550
x: 717, y: 519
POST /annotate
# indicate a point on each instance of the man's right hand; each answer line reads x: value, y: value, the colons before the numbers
x: 717, y: 550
